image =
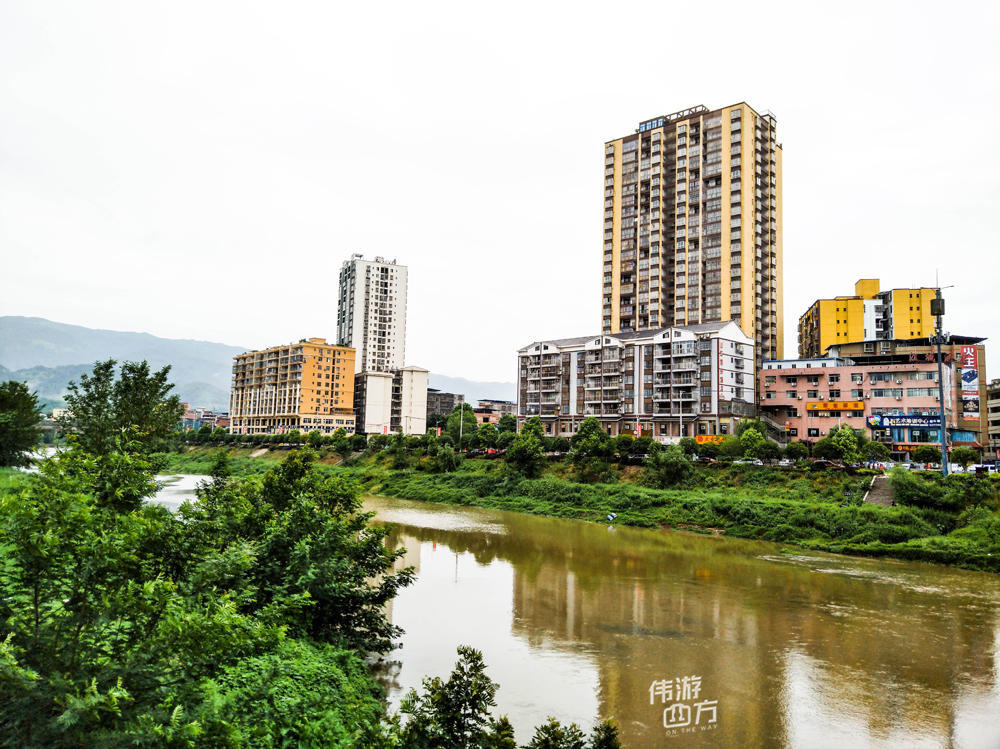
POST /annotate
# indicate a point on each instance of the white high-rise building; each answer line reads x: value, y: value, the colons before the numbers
x: 371, y: 313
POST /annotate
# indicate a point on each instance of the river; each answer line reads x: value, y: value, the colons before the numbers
x: 689, y: 640
x: 787, y: 648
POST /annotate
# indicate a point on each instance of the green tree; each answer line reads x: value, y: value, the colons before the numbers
x: 711, y: 449
x: 506, y: 438
x: 689, y: 445
x: 927, y: 454
x: 525, y: 455
x: 534, y: 427
x: 767, y: 451
x: 796, y: 451
x: 641, y: 445
x: 559, y: 445
x: 669, y: 467
x: 827, y: 449
x: 461, y: 420
x: 732, y: 447
x: 314, y: 438
x: 622, y: 445
x: 101, y: 406
x: 437, y: 420
x: 876, y: 451
x: 750, y: 440
x: 744, y: 424
x: 964, y: 456
x: 507, y: 423
x: 452, y: 714
x: 446, y: 459
x: 590, y: 440
x: 20, y: 414
x: 487, y: 435
x: 847, y: 441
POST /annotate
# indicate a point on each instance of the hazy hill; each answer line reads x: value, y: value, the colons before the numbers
x: 472, y: 390
x: 47, y: 355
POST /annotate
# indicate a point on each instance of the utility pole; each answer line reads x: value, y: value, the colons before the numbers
x: 937, y: 310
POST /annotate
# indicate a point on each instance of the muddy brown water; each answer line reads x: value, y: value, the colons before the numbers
x: 689, y: 640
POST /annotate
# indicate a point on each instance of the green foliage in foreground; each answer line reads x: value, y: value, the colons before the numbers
x: 454, y: 714
x: 121, y: 623
x: 20, y: 413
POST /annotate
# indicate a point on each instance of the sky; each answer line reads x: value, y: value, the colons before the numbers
x: 201, y: 170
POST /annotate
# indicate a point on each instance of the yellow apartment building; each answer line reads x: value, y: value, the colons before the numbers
x: 307, y: 386
x: 868, y: 315
x: 692, y: 225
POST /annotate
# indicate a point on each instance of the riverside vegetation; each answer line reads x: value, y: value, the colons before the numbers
x: 953, y: 521
x: 244, y: 619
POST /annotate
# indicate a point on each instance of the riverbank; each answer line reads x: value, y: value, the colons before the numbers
x: 820, y: 510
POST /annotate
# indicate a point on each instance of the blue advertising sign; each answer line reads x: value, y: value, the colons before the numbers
x: 886, y: 421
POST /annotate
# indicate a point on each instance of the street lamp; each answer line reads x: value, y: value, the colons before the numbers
x: 937, y: 310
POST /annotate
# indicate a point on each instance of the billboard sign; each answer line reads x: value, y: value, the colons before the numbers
x: 835, y: 406
x: 970, y: 383
x: 896, y: 421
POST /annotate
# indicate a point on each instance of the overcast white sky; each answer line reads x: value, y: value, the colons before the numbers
x: 201, y: 169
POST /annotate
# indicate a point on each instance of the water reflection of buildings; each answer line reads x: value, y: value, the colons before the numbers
x: 782, y: 645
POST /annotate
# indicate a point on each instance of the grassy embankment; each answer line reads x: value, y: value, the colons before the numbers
x: 953, y: 523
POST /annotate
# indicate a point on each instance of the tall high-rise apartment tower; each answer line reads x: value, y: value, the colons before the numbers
x: 692, y: 225
x: 371, y: 312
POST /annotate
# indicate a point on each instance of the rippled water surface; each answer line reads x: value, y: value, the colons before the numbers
x: 786, y: 648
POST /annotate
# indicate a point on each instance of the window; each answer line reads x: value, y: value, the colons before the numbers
x: 835, y: 394
x: 791, y: 394
x: 812, y: 393
x: 793, y: 412
x: 813, y: 432
x: 769, y: 380
x: 793, y: 432
x: 857, y: 378
x: 769, y: 395
x: 834, y: 378
x: 857, y: 394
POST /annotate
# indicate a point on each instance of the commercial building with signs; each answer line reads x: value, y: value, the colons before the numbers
x: 371, y: 312
x: 889, y: 389
x: 868, y: 315
x: 993, y: 420
x: 391, y: 402
x: 692, y: 225
x: 665, y: 383
x: 442, y: 403
x: 307, y: 386
x: 966, y: 354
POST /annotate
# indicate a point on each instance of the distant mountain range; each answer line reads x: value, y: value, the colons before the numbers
x: 47, y: 355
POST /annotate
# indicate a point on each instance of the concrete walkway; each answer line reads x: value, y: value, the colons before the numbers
x: 881, y: 492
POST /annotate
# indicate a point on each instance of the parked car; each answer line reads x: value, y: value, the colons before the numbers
x: 785, y: 462
x: 749, y: 462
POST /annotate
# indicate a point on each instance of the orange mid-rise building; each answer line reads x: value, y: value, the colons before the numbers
x: 307, y: 386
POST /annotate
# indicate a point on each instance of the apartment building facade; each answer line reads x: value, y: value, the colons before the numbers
x: 993, y: 420
x: 442, y: 403
x: 498, y: 406
x: 307, y: 386
x: 371, y: 312
x: 869, y: 315
x: 693, y: 225
x: 664, y: 383
x: 391, y: 402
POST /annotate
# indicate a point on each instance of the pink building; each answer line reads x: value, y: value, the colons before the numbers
x: 894, y: 403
